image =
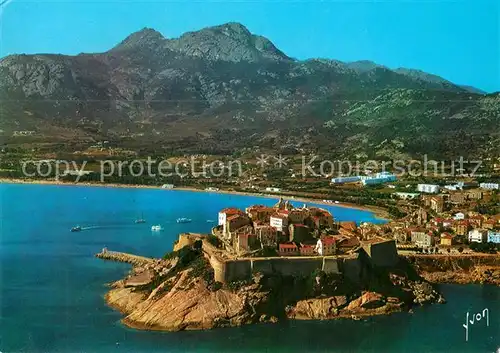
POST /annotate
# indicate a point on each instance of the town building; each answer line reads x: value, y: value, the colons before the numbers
x: 478, y: 236
x: 227, y: 212
x: 459, y: 216
x: 235, y: 223
x: 343, y: 180
x: 458, y: 198
x: 421, y: 216
x: 401, y: 236
x: 428, y: 188
x: 280, y: 222
x: 493, y: 237
x: 454, y: 187
x: 325, y: 246
x: 489, y: 186
x: 267, y: 235
x: 320, y: 218
x: 246, y: 242
x: 260, y: 212
x: 307, y: 249
x: 380, y: 178
x: 476, y: 221
x: 460, y: 227
x: 406, y: 195
x: 447, y: 239
x: 288, y: 249
x: 474, y: 195
x: 347, y: 244
x: 489, y: 224
x: 422, y: 239
x: 437, y: 204
x: 299, y: 233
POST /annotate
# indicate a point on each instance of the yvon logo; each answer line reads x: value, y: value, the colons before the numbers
x: 476, y: 318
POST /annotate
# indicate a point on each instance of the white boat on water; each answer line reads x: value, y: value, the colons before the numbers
x: 156, y: 228
x: 183, y: 220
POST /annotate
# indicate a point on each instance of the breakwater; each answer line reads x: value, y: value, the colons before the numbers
x: 124, y: 257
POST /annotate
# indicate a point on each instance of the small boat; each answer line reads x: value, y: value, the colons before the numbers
x: 140, y: 220
x: 183, y: 220
x: 210, y: 221
x: 156, y: 228
x: 76, y: 229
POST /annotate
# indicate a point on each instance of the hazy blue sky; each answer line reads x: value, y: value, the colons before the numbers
x: 459, y: 40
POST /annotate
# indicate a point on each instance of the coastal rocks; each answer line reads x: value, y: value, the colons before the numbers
x: 424, y: 293
x: 484, y: 269
x: 368, y: 300
x: 486, y: 275
x: 123, y: 299
x: 188, y: 305
x: 321, y: 308
x: 368, y: 304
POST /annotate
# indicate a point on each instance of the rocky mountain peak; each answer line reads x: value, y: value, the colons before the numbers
x: 227, y: 42
x: 143, y: 38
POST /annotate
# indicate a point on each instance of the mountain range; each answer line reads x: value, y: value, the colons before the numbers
x: 222, y: 89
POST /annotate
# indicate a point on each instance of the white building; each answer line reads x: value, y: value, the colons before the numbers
x: 278, y: 222
x: 478, y: 236
x: 493, y: 237
x: 459, y: 215
x: 349, y: 179
x: 379, y: 178
x: 428, y: 188
x: 407, y: 195
x: 489, y: 186
x: 273, y: 189
x: 167, y: 186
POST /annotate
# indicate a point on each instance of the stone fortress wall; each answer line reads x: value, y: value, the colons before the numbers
x: 227, y: 269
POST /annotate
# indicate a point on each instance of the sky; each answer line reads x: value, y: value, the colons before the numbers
x: 456, y: 39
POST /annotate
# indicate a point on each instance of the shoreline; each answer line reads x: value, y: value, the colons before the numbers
x: 379, y: 213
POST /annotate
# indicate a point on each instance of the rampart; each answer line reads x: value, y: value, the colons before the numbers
x: 227, y: 268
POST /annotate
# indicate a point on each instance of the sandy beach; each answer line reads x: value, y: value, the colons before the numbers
x: 379, y: 212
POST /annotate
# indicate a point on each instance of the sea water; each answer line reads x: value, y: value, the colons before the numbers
x: 52, y: 286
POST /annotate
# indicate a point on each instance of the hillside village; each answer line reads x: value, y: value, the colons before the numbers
x: 440, y: 220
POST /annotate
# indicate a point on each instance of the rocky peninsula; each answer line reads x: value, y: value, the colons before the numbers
x: 180, y: 292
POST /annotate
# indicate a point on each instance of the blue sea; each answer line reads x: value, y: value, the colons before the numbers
x: 52, y: 286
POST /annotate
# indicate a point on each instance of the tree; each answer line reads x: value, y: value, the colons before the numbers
x: 448, y: 250
x: 460, y: 249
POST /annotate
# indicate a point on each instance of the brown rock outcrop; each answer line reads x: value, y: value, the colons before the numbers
x: 321, y: 308
x: 188, y: 305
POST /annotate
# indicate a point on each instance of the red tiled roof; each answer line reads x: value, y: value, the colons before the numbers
x: 349, y: 242
x: 328, y: 240
x: 288, y: 246
x: 306, y: 245
x: 279, y: 216
x: 233, y: 217
x: 231, y: 210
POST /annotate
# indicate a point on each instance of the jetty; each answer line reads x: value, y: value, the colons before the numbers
x: 124, y: 257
